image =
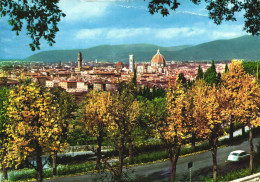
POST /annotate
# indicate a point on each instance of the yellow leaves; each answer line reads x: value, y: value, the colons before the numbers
x: 33, y: 120
x: 97, y: 110
x: 174, y: 128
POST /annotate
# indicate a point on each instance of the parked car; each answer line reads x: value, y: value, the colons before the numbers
x: 237, y: 155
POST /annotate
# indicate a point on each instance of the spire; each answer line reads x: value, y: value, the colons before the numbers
x: 158, y: 51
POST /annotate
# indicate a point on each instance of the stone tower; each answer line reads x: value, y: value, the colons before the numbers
x: 79, y: 60
x: 131, y: 63
x: 79, y: 68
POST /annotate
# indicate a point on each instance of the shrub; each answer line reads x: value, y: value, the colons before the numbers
x: 149, y: 157
x: 78, y: 137
x: 72, y: 160
x: 27, y: 174
x: 22, y: 175
x: 73, y: 169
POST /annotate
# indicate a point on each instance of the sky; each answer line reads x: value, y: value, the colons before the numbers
x: 91, y: 23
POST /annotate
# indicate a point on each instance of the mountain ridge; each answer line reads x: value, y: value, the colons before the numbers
x: 245, y: 47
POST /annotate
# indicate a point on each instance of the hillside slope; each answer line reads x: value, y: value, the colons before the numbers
x: 246, y: 47
x: 104, y: 53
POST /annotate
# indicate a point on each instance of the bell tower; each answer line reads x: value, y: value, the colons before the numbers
x: 131, y: 63
x: 79, y: 60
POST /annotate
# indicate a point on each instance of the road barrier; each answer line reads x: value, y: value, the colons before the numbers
x: 252, y: 178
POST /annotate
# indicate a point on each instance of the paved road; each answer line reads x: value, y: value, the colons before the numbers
x: 160, y: 171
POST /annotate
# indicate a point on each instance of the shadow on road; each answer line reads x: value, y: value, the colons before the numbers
x: 196, y: 175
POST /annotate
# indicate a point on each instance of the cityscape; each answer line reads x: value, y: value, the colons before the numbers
x: 129, y: 90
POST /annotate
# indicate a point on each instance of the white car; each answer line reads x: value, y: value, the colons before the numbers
x: 237, y: 155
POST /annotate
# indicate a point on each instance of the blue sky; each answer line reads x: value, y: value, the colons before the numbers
x: 95, y: 22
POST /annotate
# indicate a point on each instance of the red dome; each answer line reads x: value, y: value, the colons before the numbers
x: 120, y: 64
x: 158, y: 58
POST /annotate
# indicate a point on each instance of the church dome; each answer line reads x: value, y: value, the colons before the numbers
x: 158, y: 60
x: 120, y: 64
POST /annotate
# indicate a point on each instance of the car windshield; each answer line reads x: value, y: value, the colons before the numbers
x: 235, y: 154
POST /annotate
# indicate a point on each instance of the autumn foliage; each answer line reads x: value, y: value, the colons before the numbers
x: 33, y: 120
x: 34, y: 127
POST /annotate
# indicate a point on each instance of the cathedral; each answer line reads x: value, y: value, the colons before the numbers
x: 157, y: 65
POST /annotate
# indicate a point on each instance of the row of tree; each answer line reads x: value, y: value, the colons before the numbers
x: 34, y: 120
x: 204, y: 108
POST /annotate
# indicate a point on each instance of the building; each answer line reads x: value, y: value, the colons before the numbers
x: 79, y: 68
x: 131, y: 63
x: 119, y: 65
x: 157, y: 63
x: 68, y: 85
x: 49, y: 83
x: 158, y: 60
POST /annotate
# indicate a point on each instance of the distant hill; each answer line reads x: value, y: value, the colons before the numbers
x: 105, y: 53
x: 246, y: 47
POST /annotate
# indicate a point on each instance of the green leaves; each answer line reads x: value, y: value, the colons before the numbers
x: 41, y: 17
x: 210, y: 75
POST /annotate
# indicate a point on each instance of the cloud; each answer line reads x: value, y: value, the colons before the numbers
x: 168, y: 33
x: 226, y: 35
x: 113, y: 33
x: 89, y: 33
x: 160, y: 34
x: 127, y: 32
x: 83, y: 9
x: 191, y: 13
x: 132, y: 7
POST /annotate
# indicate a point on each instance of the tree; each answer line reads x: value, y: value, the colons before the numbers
x: 192, y: 118
x: 233, y: 82
x: 199, y: 74
x: 134, y: 79
x: 218, y: 11
x: 34, y: 127
x: 4, y: 120
x: 210, y: 117
x: 125, y: 111
x: 97, y: 117
x: 210, y: 75
x: 41, y: 17
x: 250, y: 67
x: 171, y: 127
x: 249, y: 104
x: 226, y: 68
x: 67, y: 105
x: 181, y: 78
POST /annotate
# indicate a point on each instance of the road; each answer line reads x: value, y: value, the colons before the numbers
x: 160, y: 171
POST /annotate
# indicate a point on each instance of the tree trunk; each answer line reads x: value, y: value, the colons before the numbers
x: 174, y: 158
x: 231, y: 130
x: 54, y: 163
x: 243, y: 131
x: 131, y: 151
x: 251, y: 149
x: 39, y: 177
x: 120, y: 159
x: 193, y: 140
x: 99, y: 153
x: 214, y: 144
x: 5, y: 172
